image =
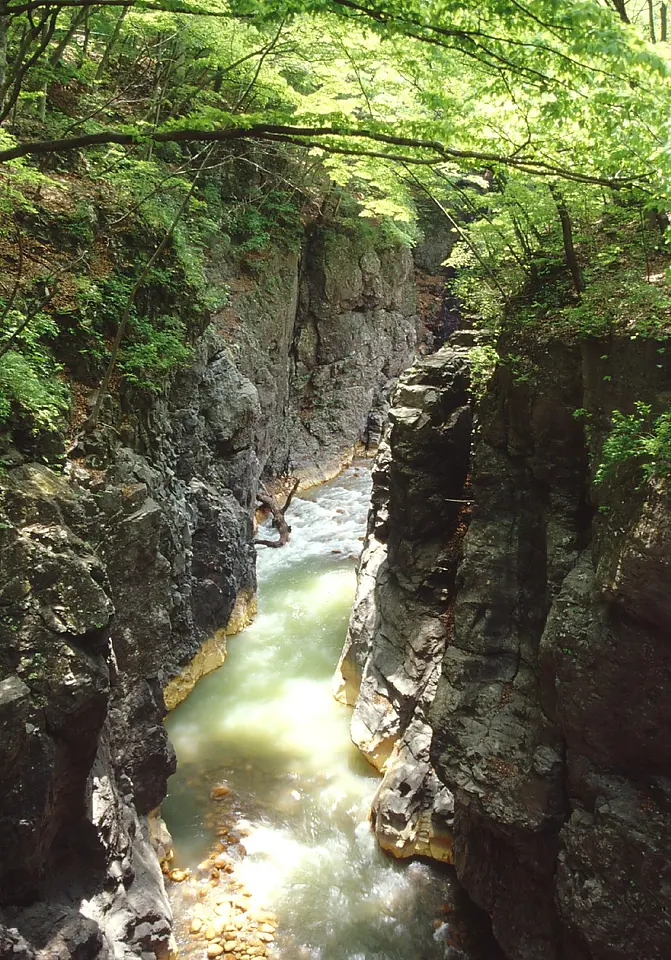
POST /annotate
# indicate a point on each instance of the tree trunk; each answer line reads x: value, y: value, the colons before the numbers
x: 4, y: 32
x: 621, y: 10
x: 651, y: 18
x: 569, y: 248
x: 43, y: 33
x: 662, y: 23
x: 279, y: 519
x: 102, y: 66
x: 60, y: 49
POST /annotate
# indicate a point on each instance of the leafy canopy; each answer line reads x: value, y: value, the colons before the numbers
x: 495, y: 109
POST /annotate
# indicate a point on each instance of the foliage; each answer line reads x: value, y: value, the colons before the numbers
x: 325, y: 112
x: 637, y: 437
x: 30, y: 388
x: 511, y: 270
x: 483, y: 359
x: 155, y: 350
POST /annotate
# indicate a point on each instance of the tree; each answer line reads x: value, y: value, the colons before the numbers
x: 484, y: 106
x: 534, y: 70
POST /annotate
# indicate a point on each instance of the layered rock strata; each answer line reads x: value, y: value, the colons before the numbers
x: 120, y: 577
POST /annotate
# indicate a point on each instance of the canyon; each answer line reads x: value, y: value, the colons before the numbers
x: 123, y: 573
x: 507, y: 642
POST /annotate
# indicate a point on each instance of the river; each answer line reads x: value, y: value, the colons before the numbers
x: 269, y: 807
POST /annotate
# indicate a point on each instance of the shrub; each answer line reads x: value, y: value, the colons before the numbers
x: 637, y: 436
x: 32, y: 390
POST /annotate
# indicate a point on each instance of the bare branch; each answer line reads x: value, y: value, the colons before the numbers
x: 279, y: 519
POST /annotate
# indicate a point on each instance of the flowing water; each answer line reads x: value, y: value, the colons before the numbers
x: 290, y: 823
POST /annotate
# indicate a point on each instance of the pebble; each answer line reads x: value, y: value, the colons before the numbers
x: 230, y: 944
x: 196, y: 925
x: 219, y: 792
x: 178, y: 876
x: 215, y: 950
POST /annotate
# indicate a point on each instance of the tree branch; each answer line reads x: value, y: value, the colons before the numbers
x: 302, y: 136
x: 279, y: 519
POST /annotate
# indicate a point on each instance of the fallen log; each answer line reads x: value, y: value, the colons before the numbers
x: 278, y: 513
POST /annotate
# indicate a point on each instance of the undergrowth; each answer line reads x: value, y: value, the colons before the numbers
x: 640, y: 437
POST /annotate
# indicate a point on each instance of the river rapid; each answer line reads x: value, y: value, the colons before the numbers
x: 269, y: 808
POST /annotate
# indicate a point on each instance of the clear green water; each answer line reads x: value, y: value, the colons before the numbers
x: 266, y: 725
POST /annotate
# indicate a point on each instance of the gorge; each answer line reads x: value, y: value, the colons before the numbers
x: 409, y: 260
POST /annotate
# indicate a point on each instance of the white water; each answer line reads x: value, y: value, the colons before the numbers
x: 267, y: 726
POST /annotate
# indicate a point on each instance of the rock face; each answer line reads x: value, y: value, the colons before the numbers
x: 391, y: 662
x: 346, y: 317
x: 117, y: 573
x: 549, y: 723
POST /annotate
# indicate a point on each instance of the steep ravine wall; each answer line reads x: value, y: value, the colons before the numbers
x: 549, y: 726
x: 391, y: 661
x: 116, y: 573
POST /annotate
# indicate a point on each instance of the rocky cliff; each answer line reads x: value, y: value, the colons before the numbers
x: 391, y: 661
x: 547, y: 727
x: 124, y: 572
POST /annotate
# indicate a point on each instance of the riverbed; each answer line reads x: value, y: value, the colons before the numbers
x: 269, y: 807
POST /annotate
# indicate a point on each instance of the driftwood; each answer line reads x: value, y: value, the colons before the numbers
x: 278, y: 512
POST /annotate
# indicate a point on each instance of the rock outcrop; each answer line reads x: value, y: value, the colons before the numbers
x: 121, y: 576
x: 549, y: 722
x: 116, y: 574
x: 391, y: 662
